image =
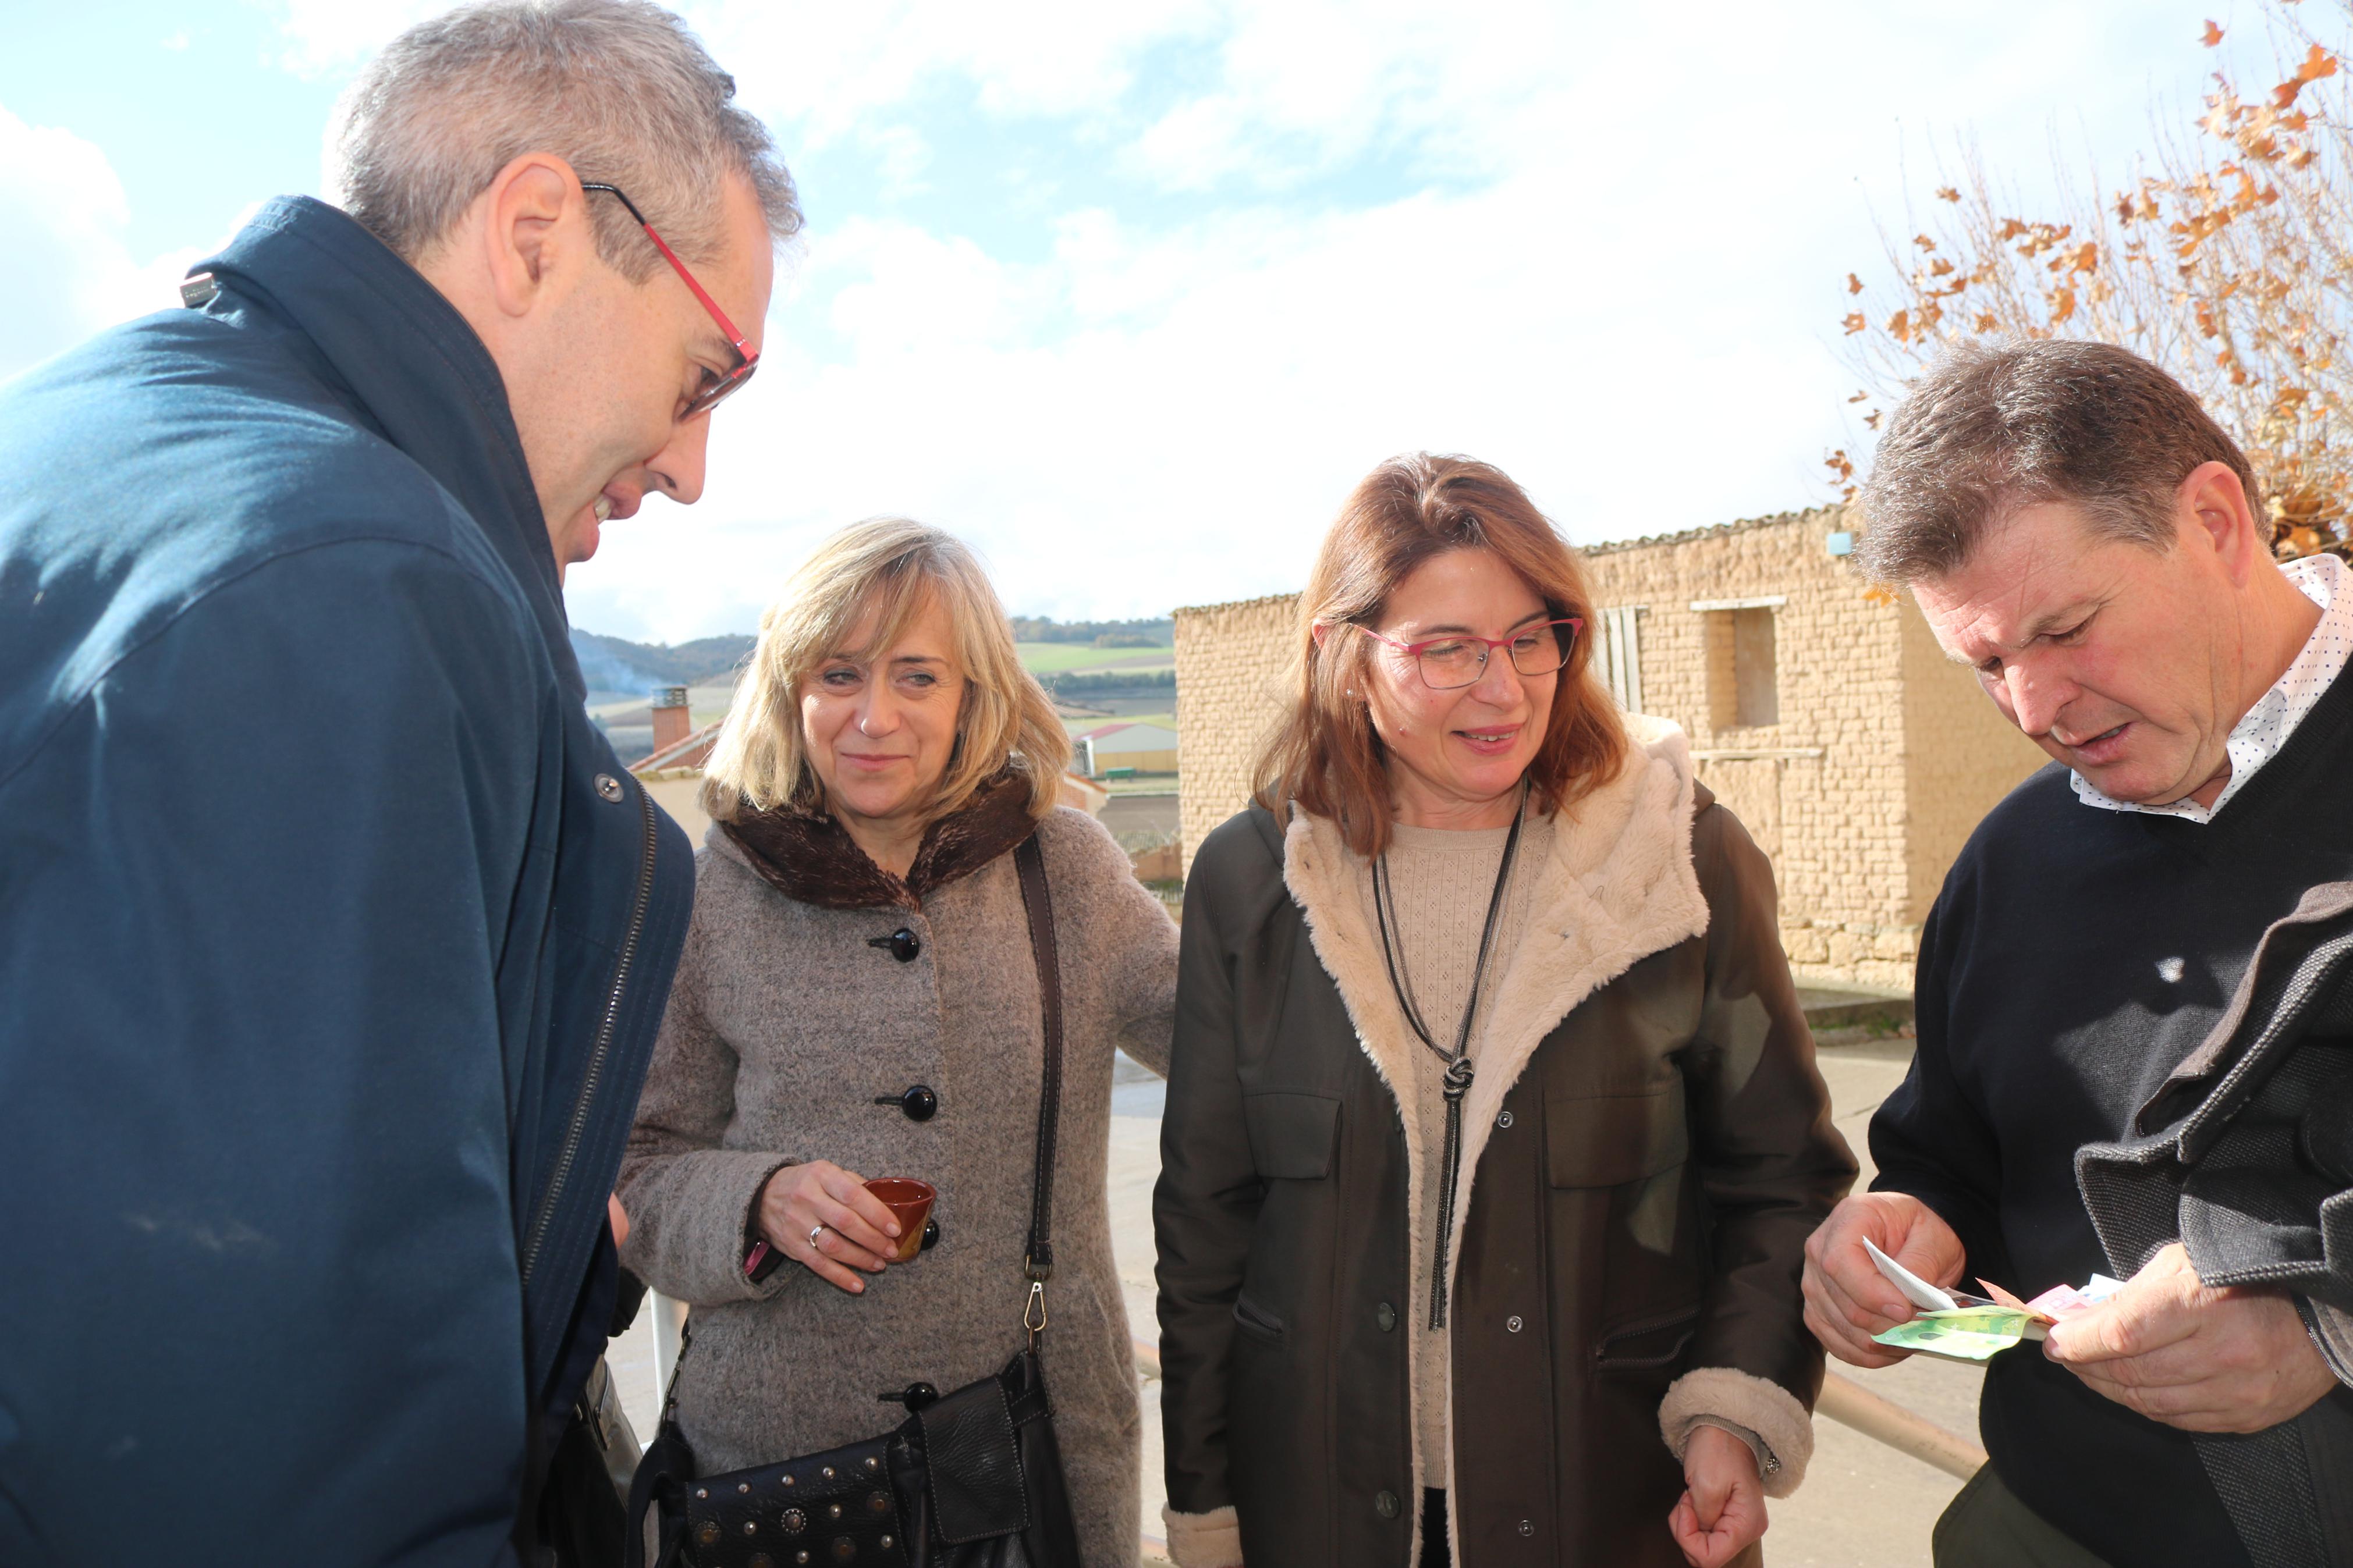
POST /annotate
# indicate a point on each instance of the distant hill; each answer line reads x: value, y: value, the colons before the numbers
x: 1158, y: 632
x: 637, y: 668
x: 614, y: 664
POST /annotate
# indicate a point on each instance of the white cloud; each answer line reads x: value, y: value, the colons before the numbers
x: 67, y: 266
x: 1600, y: 244
x: 324, y: 35
x: 1622, y: 286
x: 827, y: 69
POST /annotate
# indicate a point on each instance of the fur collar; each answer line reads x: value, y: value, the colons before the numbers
x: 1618, y: 885
x: 811, y: 859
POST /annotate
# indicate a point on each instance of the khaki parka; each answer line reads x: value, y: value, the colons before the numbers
x: 1647, y: 1146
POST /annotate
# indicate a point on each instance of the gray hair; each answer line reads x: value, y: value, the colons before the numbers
x: 619, y: 89
x: 1993, y: 428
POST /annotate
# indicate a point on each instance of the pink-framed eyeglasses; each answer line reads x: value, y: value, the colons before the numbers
x: 714, y: 389
x: 1459, y: 659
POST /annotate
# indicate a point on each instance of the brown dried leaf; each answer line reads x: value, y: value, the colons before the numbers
x: 2213, y: 36
x: 1947, y: 193
x: 1855, y: 323
x: 1853, y: 284
x: 2318, y: 63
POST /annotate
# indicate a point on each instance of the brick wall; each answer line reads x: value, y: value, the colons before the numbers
x: 1964, y: 757
x: 1882, y: 757
x: 1822, y: 789
x: 1232, y: 660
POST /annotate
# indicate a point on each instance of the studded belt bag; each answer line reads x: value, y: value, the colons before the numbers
x: 971, y: 1479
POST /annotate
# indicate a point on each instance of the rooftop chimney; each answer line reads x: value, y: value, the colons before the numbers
x: 671, y: 724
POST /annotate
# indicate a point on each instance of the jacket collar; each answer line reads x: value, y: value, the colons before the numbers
x: 1618, y: 887
x: 411, y: 367
x: 811, y: 859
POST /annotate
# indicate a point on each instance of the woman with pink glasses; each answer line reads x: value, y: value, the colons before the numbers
x: 1494, y: 1136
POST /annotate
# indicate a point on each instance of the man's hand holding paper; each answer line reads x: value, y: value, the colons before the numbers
x: 2200, y: 1359
x: 1847, y: 1298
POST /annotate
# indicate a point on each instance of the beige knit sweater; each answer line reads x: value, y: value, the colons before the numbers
x: 1442, y: 879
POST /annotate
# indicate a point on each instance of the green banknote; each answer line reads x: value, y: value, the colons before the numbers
x: 1973, y: 1334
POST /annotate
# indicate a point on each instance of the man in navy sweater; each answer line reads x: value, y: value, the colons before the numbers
x: 334, y: 937
x: 2077, y: 531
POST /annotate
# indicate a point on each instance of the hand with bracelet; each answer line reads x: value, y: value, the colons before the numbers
x: 822, y: 1218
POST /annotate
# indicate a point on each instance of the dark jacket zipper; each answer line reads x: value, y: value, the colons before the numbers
x: 579, y: 1126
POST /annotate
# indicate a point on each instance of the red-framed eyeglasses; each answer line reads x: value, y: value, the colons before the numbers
x: 714, y: 389
x: 1459, y: 659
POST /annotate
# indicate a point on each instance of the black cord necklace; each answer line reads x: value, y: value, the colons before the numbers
x: 1458, y: 1060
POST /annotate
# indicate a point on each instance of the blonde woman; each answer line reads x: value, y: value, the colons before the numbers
x: 857, y: 999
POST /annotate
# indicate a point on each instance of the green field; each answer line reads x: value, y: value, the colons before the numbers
x: 1063, y: 657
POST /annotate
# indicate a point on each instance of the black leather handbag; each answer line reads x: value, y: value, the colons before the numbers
x: 972, y: 1479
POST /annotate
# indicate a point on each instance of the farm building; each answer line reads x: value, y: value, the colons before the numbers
x: 1146, y: 748
x: 1859, y: 757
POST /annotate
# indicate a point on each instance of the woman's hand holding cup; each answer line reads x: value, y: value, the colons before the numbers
x: 859, y: 1231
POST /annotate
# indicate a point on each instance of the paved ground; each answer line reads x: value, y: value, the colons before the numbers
x: 1862, y: 1506
x: 1125, y: 814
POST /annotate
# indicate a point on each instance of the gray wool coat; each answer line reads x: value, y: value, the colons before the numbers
x: 784, y: 1028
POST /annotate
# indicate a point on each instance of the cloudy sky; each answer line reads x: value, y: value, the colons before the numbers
x: 1131, y: 294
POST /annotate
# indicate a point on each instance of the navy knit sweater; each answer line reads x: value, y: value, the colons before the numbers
x: 2074, y: 955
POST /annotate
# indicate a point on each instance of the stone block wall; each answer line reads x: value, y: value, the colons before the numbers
x: 1232, y: 660
x: 1963, y: 756
x: 1821, y: 790
x: 1882, y: 758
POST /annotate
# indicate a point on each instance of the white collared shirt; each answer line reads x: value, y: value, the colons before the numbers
x: 2258, y: 737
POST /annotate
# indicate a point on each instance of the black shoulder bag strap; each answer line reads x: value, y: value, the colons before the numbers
x: 1029, y: 859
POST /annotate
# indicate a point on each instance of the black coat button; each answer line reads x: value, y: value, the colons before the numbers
x: 1386, y: 1316
x: 931, y: 1233
x: 902, y: 944
x: 1385, y: 1503
x: 914, y: 1397
x: 917, y: 1102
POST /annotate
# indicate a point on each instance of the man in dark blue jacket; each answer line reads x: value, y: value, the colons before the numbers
x: 333, y: 937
